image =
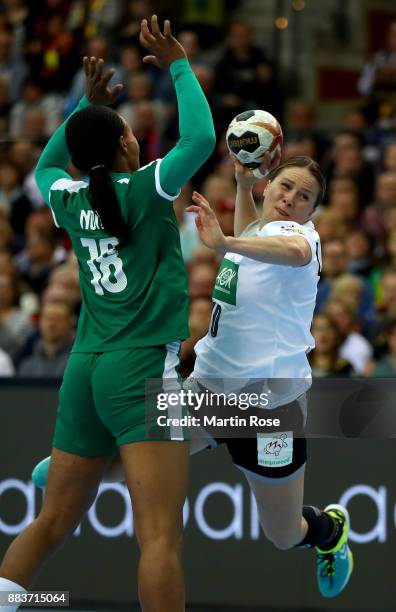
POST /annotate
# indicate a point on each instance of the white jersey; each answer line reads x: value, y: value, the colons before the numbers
x: 261, y: 319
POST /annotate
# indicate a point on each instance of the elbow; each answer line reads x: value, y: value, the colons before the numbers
x: 301, y: 254
x: 208, y: 141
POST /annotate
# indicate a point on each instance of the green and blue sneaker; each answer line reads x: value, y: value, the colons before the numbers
x: 40, y: 473
x: 334, y: 567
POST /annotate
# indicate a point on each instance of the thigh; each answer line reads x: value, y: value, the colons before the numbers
x: 156, y: 474
x: 125, y: 388
x: 78, y: 428
x: 71, y: 487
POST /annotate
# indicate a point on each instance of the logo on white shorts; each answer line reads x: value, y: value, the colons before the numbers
x: 275, y: 450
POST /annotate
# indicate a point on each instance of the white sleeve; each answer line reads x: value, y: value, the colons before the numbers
x: 292, y: 228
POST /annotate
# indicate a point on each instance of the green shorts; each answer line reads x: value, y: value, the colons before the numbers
x: 103, y: 399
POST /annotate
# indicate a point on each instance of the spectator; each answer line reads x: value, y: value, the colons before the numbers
x: 12, y: 70
x: 206, y: 18
x: 348, y: 160
x: 329, y: 225
x: 140, y: 89
x: 6, y: 365
x: 14, y: 204
x: 37, y: 261
x: 52, y: 349
x: 354, y: 348
x: 335, y: 264
x: 146, y: 129
x: 198, y: 321
x: 97, y: 46
x: 359, y: 295
x: 386, y: 366
x: 359, y: 248
x: 344, y: 200
x: 95, y: 18
x: 373, y: 219
x: 325, y: 358
x: 33, y: 97
x: 15, y: 327
x: 201, y: 281
x: 245, y: 77
x: 66, y: 278
x: 220, y: 192
x: 301, y: 126
x: 390, y: 157
x: 386, y: 312
x: 378, y: 77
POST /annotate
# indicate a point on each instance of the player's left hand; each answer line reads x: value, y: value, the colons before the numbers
x: 207, y: 224
x: 97, y: 87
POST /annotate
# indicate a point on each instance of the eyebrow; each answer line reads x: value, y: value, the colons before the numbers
x: 293, y: 182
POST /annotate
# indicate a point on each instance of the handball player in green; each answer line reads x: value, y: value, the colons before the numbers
x: 134, y: 315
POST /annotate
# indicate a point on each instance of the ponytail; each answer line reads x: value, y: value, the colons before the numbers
x: 92, y: 136
x: 104, y: 201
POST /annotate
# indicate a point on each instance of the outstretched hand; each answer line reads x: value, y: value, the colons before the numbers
x: 165, y: 48
x: 245, y: 177
x: 207, y: 224
x: 97, y: 87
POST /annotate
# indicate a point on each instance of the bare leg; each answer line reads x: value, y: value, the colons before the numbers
x: 71, y: 489
x: 156, y: 475
x: 280, y: 510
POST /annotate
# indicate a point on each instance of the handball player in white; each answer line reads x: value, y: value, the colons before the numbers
x: 264, y: 298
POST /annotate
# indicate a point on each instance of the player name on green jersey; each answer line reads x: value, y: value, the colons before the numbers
x: 142, y: 280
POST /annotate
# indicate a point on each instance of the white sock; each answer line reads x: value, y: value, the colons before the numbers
x: 8, y: 585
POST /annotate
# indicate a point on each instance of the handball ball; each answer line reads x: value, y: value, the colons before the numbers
x: 251, y: 134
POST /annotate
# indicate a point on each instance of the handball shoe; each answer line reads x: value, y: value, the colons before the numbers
x: 334, y: 567
x: 40, y: 473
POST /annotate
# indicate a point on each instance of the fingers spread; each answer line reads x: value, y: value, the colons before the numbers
x: 108, y: 75
x: 167, y: 29
x: 155, y: 28
x: 148, y: 38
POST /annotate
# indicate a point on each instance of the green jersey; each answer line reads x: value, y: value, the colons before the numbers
x: 134, y: 294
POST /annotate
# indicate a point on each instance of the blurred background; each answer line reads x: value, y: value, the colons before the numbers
x: 326, y: 69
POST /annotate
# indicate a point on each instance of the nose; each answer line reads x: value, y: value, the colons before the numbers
x: 288, y: 199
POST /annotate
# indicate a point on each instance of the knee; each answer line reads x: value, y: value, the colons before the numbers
x: 161, y: 542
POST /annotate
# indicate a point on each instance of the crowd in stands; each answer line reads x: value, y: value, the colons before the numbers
x: 41, y: 81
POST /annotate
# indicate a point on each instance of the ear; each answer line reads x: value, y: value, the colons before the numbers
x: 122, y: 144
x: 266, y: 188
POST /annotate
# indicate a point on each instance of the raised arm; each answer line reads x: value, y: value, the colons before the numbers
x: 245, y: 207
x: 197, y: 136
x: 55, y: 156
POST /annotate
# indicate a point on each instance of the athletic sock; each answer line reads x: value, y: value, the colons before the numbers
x: 8, y: 585
x: 323, y: 530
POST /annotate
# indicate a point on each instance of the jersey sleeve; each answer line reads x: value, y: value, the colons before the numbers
x: 292, y: 228
x: 196, y: 130
x: 59, y: 197
x: 55, y: 158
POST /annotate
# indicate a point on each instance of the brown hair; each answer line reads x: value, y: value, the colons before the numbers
x: 311, y: 165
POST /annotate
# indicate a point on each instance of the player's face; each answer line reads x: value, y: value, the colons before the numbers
x: 130, y: 148
x: 290, y: 196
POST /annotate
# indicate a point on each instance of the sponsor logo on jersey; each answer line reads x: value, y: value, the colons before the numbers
x: 291, y: 228
x: 226, y: 282
x: 275, y: 450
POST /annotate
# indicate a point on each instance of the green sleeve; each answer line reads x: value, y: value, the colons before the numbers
x: 197, y: 136
x: 55, y: 157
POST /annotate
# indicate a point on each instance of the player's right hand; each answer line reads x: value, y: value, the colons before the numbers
x: 246, y: 177
x: 165, y: 48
